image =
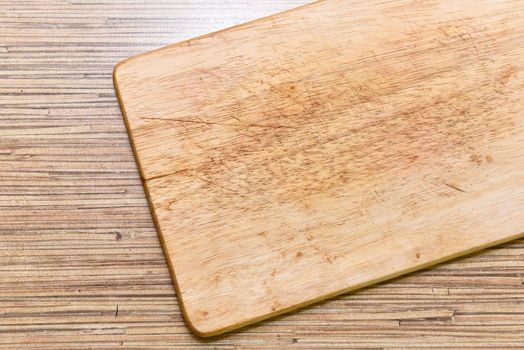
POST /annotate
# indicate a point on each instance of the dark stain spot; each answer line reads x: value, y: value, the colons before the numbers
x: 274, y: 272
x: 294, y: 340
x: 275, y: 306
x: 476, y: 158
x: 417, y: 255
x: 412, y: 158
x: 116, y: 311
x: 299, y: 254
x: 292, y: 88
x: 205, y: 313
x: 489, y: 159
x: 118, y: 236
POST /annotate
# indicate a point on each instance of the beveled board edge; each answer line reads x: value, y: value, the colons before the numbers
x: 227, y: 328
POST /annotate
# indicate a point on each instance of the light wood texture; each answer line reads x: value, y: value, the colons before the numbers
x: 328, y: 148
x: 77, y: 242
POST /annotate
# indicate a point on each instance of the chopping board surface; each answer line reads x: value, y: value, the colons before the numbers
x: 327, y: 148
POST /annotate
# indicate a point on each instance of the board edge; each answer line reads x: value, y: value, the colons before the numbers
x: 432, y: 263
x: 152, y: 211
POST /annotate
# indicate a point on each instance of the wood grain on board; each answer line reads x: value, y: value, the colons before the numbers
x: 80, y: 262
x: 325, y: 149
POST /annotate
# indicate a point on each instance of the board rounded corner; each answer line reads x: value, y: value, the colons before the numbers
x: 117, y: 72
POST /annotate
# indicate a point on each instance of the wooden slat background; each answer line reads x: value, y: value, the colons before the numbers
x: 80, y: 262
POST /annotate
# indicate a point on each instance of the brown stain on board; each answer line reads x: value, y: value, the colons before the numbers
x: 433, y: 129
x: 476, y: 158
x: 303, y: 128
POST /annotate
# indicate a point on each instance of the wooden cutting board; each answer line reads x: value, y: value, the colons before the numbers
x: 328, y: 148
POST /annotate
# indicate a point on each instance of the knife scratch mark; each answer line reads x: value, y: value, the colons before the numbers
x: 454, y: 187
